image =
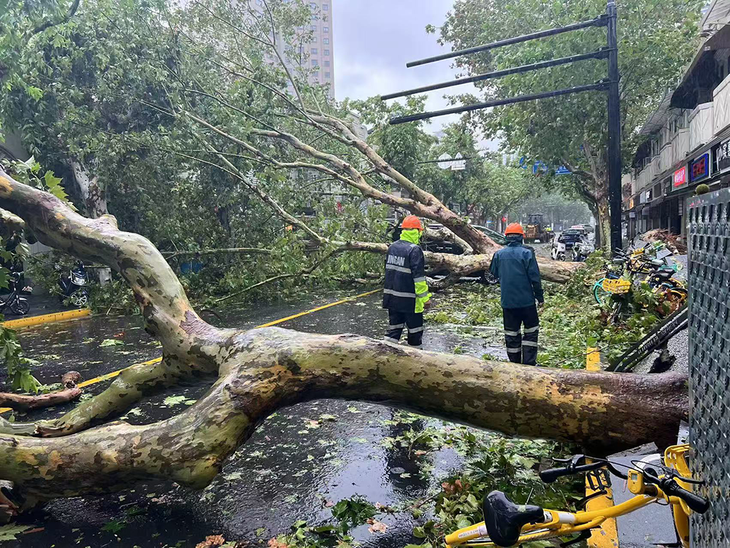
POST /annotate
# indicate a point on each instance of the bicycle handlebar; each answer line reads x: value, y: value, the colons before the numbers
x: 552, y: 474
x: 696, y: 502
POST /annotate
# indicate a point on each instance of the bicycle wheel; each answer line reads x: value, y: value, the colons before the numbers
x: 600, y: 294
x: 79, y: 298
x: 19, y: 307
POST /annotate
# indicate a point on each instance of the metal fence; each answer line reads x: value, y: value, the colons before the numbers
x: 709, y: 358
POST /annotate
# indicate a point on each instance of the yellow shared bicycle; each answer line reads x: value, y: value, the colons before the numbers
x: 508, y: 524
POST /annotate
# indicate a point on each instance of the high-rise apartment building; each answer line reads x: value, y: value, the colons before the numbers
x: 316, y: 57
x: 321, y: 50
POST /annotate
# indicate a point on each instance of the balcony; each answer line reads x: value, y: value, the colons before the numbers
x: 721, y: 100
x: 656, y: 166
x: 680, y: 145
x: 701, y: 125
x: 666, y: 157
x: 645, y: 177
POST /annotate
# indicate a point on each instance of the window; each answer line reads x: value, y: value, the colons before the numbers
x: 315, y: 63
x: 326, y: 63
x: 314, y: 51
x: 326, y: 52
x: 314, y: 28
x: 328, y: 75
x: 316, y: 74
x: 325, y: 7
x: 325, y: 29
x: 326, y: 41
x: 313, y: 5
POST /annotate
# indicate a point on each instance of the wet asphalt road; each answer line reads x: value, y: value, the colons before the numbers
x: 297, y: 463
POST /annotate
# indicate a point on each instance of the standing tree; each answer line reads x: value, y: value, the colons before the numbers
x: 571, y: 130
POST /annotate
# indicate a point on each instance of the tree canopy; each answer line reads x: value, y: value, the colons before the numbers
x: 656, y: 40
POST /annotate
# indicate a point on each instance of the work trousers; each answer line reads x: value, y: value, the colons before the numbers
x: 399, y: 320
x: 521, y: 348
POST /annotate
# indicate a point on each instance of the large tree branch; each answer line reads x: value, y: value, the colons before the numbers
x: 271, y: 368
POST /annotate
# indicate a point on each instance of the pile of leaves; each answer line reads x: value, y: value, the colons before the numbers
x: 570, y: 322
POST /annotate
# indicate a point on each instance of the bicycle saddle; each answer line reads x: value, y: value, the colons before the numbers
x: 504, y: 519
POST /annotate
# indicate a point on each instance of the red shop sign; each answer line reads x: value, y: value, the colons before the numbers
x: 680, y: 177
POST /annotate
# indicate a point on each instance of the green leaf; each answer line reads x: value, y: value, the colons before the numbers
x: 113, y: 526
x: 111, y: 342
x: 34, y: 92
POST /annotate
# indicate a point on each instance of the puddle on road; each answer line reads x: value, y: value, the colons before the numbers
x: 297, y: 463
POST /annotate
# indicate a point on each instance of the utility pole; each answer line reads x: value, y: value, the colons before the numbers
x: 614, y: 129
x: 610, y: 85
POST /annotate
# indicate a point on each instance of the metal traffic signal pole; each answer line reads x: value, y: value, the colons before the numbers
x: 611, y: 84
x: 614, y: 129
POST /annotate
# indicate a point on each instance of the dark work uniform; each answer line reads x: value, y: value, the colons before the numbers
x: 404, y: 273
x: 516, y: 269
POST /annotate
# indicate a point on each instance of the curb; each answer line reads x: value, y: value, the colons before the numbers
x: 47, y: 318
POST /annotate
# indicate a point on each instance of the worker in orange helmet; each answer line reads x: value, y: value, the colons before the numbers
x: 405, y: 294
x: 515, y: 267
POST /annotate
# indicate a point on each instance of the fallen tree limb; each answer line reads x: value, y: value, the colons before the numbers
x: 24, y: 402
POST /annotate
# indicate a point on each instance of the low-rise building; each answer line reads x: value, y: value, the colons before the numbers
x: 687, y: 137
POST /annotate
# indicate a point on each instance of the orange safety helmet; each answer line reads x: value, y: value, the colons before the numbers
x: 411, y: 222
x: 514, y: 228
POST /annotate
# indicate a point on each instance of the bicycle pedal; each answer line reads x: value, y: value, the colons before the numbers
x: 599, y: 480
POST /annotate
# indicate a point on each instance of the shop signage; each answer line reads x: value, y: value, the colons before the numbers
x: 700, y: 168
x: 721, y: 155
x: 631, y: 203
x: 680, y: 177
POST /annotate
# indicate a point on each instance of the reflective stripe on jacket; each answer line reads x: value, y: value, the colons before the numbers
x: 515, y: 266
x: 405, y: 288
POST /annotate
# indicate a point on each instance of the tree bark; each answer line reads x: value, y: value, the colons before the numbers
x: 92, y: 193
x: 603, y: 224
x: 263, y: 370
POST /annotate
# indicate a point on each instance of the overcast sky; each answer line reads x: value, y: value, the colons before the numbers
x: 375, y: 38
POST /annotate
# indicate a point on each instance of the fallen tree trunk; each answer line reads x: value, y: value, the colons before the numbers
x: 271, y: 368
x: 263, y: 370
x: 465, y: 265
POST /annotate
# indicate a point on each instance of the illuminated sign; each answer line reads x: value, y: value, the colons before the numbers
x: 700, y: 168
x: 680, y: 177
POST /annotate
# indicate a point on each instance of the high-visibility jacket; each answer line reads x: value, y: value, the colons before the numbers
x: 405, y: 288
x: 515, y: 266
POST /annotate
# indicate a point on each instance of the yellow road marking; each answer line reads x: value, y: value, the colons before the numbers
x: 318, y: 308
x: 116, y: 373
x: 607, y: 535
x: 47, y: 318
